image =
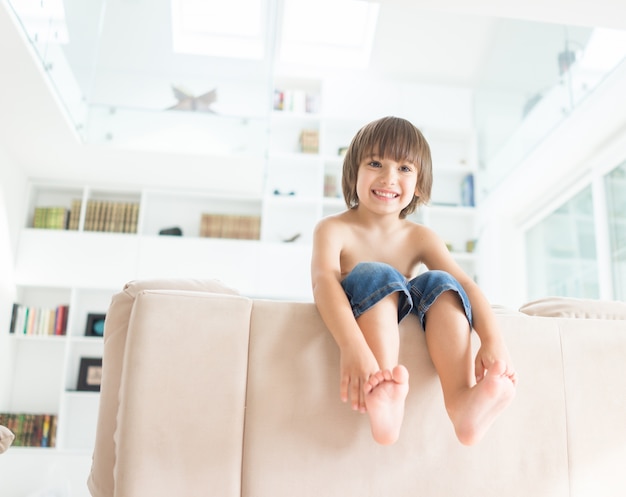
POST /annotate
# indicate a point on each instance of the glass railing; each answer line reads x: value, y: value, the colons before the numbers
x: 554, y: 80
x: 114, y: 69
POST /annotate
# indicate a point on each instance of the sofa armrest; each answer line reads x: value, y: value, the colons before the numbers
x: 182, y: 395
x: 100, y: 480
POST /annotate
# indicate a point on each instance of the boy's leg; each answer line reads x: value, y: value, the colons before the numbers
x: 472, y: 407
x: 380, y: 329
x: 386, y: 390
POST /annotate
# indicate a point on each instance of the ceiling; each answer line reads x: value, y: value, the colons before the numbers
x: 483, y: 45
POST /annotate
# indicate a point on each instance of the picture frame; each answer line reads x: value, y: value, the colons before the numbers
x: 89, y: 374
x: 95, y: 325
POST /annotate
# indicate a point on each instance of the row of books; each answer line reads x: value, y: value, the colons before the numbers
x: 297, y: 101
x: 111, y: 217
x: 31, y: 430
x: 39, y: 321
x: 230, y: 226
x: 54, y: 218
x: 101, y: 215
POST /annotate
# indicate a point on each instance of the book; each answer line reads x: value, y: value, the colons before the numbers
x: 51, y: 218
x: 111, y: 217
x: 230, y: 226
x: 31, y: 429
x: 74, y: 217
x: 467, y: 191
x: 38, y: 321
x: 14, y: 314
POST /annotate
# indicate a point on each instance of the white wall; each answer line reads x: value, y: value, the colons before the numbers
x: 12, y: 205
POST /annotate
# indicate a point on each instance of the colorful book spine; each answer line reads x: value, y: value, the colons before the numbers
x: 31, y: 430
x: 38, y: 321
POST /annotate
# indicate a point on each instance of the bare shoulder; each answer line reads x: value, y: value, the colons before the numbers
x: 332, y: 226
x: 421, y: 233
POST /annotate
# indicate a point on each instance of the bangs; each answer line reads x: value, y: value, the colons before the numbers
x: 393, y: 139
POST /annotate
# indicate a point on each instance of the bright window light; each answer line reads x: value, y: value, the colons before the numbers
x: 43, y: 20
x: 233, y: 28
x: 328, y: 32
x: 605, y: 50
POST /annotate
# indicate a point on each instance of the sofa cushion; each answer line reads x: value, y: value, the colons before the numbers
x: 570, y: 307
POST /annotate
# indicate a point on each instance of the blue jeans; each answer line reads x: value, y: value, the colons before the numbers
x: 370, y: 282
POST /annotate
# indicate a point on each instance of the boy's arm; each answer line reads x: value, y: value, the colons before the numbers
x: 357, y: 360
x: 493, y: 348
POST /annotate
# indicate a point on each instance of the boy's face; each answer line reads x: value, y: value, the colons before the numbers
x: 385, y: 185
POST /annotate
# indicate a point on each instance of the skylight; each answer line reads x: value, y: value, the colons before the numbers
x: 233, y: 28
x: 328, y: 32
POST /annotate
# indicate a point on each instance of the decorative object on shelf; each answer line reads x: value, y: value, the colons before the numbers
x: 342, y: 151
x: 38, y: 321
x: 331, y: 186
x: 6, y: 438
x: 28, y: 430
x: 309, y: 141
x: 467, y: 191
x: 95, y: 325
x: 470, y: 246
x: 89, y: 374
x: 174, y: 231
x: 230, y: 226
x: 278, y: 193
x: 449, y: 246
x: 293, y: 238
x: 188, y: 101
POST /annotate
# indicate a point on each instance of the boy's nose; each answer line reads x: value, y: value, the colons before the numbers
x: 389, y: 177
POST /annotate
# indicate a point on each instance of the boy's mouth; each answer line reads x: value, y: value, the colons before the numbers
x: 384, y: 194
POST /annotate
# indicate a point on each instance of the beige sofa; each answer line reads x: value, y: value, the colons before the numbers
x: 207, y: 393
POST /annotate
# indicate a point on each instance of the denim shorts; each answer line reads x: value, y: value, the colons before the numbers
x: 370, y: 282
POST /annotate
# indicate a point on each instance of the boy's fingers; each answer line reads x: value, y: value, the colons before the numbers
x: 343, y: 388
x: 355, y: 395
x: 479, y: 370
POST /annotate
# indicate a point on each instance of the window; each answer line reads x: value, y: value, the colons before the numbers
x: 336, y: 33
x: 561, y: 252
x: 236, y: 28
x: 615, y: 187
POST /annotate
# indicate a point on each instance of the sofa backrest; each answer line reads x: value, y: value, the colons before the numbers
x: 300, y: 439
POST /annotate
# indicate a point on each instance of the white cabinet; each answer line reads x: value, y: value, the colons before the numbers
x: 45, y: 368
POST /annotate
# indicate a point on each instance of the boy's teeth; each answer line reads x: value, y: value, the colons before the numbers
x: 385, y: 194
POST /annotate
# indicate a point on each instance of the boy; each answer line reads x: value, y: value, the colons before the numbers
x: 364, y: 269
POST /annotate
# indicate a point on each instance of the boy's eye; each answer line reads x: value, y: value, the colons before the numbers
x: 375, y: 163
x: 406, y: 169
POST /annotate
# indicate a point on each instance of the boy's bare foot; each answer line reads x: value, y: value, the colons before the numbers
x: 385, y: 393
x: 478, y: 407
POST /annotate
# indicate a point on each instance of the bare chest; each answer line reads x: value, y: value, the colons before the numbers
x: 398, y: 252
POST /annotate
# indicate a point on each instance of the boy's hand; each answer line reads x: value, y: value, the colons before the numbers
x: 357, y: 364
x: 488, y: 354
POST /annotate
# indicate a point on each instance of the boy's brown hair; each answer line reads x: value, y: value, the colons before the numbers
x: 394, y: 138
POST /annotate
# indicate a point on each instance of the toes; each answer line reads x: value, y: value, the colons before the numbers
x: 400, y: 374
x: 498, y: 368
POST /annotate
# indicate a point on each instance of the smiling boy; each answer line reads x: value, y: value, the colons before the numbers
x: 365, y: 281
